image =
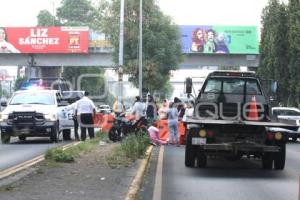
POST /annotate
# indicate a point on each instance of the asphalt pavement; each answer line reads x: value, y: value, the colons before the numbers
x: 222, y: 179
x: 20, y: 151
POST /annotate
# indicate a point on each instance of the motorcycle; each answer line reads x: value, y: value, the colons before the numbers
x: 124, y: 125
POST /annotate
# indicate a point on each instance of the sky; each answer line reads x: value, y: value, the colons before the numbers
x: 183, y: 12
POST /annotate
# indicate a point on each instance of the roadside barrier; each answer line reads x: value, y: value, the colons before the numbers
x: 164, y: 130
x: 104, y: 121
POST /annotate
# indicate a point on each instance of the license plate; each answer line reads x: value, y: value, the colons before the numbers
x: 198, y: 141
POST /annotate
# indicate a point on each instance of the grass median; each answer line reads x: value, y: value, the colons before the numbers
x: 131, y: 148
x: 69, y: 155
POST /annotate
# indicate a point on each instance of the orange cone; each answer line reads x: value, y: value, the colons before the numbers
x: 253, y: 114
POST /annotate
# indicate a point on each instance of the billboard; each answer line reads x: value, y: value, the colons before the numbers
x: 44, y: 40
x: 99, y: 41
x: 219, y: 39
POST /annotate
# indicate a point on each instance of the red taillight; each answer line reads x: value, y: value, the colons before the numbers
x: 270, y: 136
x: 210, y: 133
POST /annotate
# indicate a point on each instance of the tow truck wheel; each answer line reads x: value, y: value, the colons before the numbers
x: 5, y: 139
x: 267, y: 160
x: 67, y: 134
x: 279, y: 159
x: 190, y: 152
x: 22, y: 137
x: 54, y: 133
x: 201, y: 158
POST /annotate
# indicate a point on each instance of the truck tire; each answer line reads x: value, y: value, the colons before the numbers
x: 67, y: 134
x: 279, y: 158
x: 5, y: 138
x: 22, y: 137
x: 54, y: 133
x: 267, y: 160
x: 201, y: 158
x: 190, y: 152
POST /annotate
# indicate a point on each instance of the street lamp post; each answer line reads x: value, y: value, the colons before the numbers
x: 121, y: 47
x: 141, y: 50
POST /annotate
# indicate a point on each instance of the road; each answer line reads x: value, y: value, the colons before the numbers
x: 19, y: 151
x: 168, y: 178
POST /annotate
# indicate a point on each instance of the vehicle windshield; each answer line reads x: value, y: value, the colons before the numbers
x: 286, y: 112
x: 33, y: 98
x: 232, y: 86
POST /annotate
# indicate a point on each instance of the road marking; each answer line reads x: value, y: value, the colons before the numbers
x: 138, y: 179
x: 29, y: 163
x: 299, y: 188
x: 158, y: 176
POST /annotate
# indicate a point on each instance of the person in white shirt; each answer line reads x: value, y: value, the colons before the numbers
x: 85, y: 111
x: 139, y: 111
x: 138, y: 108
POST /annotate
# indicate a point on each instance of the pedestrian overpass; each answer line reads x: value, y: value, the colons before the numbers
x: 105, y: 60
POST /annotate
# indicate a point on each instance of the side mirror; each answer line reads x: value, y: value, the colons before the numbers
x: 188, y: 85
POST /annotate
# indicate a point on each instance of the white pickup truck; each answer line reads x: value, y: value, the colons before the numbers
x: 36, y: 113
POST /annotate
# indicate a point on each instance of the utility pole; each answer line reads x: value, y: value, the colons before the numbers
x: 141, y: 50
x: 121, y: 47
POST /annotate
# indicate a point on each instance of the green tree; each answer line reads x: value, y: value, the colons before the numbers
x: 45, y: 18
x: 294, y: 52
x: 274, y: 47
x: 161, y: 41
x: 78, y: 13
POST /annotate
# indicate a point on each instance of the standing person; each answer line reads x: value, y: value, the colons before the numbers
x: 173, y: 124
x: 138, y: 110
x: 162, y: 112
x: 6, y: 47
x: 73, y: 107
x: 154, y: 135
x: 85, y: 112
x: 118, y: 107
x: 151, y: 109
x: 180, y: 107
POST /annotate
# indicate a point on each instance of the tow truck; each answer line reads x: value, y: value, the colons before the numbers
x: 232, y: 119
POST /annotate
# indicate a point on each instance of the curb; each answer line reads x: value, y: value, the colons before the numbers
x: 138, y: 179
x: 25, y: 165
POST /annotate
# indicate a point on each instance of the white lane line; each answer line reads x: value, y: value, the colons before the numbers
x: 158, y: 176
x: 299, y: 189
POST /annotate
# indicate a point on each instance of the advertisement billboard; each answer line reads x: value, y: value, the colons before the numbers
x: 100, y: 42
x: 44, y: 40
x: 219, y: 39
